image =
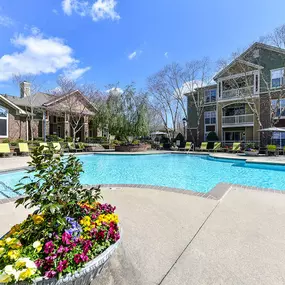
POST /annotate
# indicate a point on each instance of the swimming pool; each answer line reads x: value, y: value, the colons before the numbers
x: 190, y: 172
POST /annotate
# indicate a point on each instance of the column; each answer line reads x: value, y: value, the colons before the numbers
x: 66, y: 125
x: 45, y: 124
x: 86, y: 127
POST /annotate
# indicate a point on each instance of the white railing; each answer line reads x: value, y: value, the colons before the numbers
x: 238, y: 120
x: 237, y: 93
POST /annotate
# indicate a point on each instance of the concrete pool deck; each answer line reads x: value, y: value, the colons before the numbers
x: 170, y: 238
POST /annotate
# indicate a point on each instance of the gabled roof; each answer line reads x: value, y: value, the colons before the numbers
x: 240, y: 59
x: 36, y: 100
x: 11, y: 104
x: 61, y: 98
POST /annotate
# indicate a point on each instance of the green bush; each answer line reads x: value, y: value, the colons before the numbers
x: 69, y: 139
x: 116, y: 142
x: 136, y: 142
x: 5, y: 141
x: 52, y: 138
x: 212, y: 137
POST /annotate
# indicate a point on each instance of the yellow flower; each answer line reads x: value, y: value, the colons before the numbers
x: 5, y: 278
x: 37, y: 245
x: 2, y: 250
x: 13, y: 243
x: 2, y: 242
x: 24, y: 261
x: 38, y: 219
x: 13, y: 254
x: 14, y: 229
x: 25, y: 274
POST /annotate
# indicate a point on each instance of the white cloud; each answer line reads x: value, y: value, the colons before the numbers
x: 37, y: 55
x: 6, y: 21
x: 99, y: 10
x: 76, y: 73
x: 132, y: 55
x: 104, y: 9
x: 115, y: 90
x: 55, y: 11
x: 166, y: 54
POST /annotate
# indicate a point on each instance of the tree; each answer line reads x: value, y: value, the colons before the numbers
x: 196, y: 74
x: 164, y: 89
x: 126, y: 113
x: 74, y: 106
x: 34, y: 88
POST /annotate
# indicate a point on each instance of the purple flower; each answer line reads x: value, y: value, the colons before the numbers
x: 50, y: 274
x: 78, y: 258
x: 75, y: 229
x: 49, y: 247
x: 49, y: 259
x: 62, y: 265
x: 62, y: 249
x: 39, y: 263
x: 86, y: 246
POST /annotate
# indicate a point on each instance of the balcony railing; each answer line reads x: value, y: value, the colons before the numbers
x: 237, y: 93
x: 238, y: 120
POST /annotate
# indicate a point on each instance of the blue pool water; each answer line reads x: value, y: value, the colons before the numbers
x: 197, y: 173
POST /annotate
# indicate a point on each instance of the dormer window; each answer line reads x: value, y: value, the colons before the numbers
x: 277, y: 77
x: 3, y: 122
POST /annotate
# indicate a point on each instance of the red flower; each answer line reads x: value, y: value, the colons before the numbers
x: 50, y: 274
x: 78, y: 258
x: 66, y: 237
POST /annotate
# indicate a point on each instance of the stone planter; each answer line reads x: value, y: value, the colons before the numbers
x: 85, y: 275
x: 251, y: 153
x: 131, y: 148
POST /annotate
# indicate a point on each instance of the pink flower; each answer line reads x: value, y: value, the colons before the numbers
x: 49, y: 247
x: 50, y: 274
x: 50, y: 259
x: 66, y: 237
x: 86, y: 246
x: 62, y: 249
x: 62, y: 265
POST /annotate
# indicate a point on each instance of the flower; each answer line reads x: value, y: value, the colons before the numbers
x: 66, y: 237
x: 13, y: 243
x: 2, y: 242
x: 37, y: 245
x: 78, y: 258
x: 38, y: 263
x: 25, y: 262
x: 38, y: 219
x: 5, y: 278
x: 62, y: 265
x: 49, y: 247
x: 2, y: 250
x: 25, y: 274
x: 14, y: 254
x: 50, y: 274
x: 9, y: 269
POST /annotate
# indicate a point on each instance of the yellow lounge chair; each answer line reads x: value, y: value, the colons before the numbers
x: 57, y: 146
x: 5, y: 149
x: 203, y: 146
x: 23, y: 148
x: 187, y: 147
x: 71, y: 146
x: 217, y: 146
x: 271, y: 149
x: 236, y: 147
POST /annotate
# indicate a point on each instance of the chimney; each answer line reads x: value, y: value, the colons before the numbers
x: 25, y: 89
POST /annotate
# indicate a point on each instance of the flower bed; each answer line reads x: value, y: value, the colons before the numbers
x: 69, y: 229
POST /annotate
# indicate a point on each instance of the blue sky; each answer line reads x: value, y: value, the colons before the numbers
x: 108, y: 41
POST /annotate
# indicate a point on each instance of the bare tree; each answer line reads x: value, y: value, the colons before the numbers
x: 196, y: 75
x: 164, y: 88
x: 276, y: 38
x: 72, y: 105
x: 31, y: 98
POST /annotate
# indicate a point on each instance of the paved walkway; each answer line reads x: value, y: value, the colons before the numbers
x: 173, y: 238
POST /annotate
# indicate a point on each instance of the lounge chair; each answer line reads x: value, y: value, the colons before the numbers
x: 71, y: 147
x: 187, y: 147
x: 81, y: 146
x: 236, y: 147
x: 271, y: 149
x: 203, y: 147
x: 57, y: 146
x: 24, y: 148
x: 217, y: 147
x: 5, y: 149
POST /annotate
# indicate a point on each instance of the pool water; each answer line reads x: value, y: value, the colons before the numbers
x: 191, y: 172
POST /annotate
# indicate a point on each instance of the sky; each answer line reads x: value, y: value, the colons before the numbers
x: 123, y: 41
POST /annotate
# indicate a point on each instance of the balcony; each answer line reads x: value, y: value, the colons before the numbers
x: 238, y: 120
x: 237, y: 93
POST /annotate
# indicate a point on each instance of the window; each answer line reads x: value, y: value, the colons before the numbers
x: 278, y: 107
x: 234, y: 110
x: 277, y: 77
x: 3, y: 122
x: 278, y: 139
x: 210, y: 118
x: 210, y: 95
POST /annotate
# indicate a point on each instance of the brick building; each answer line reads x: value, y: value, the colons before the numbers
x: 52, y: 115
